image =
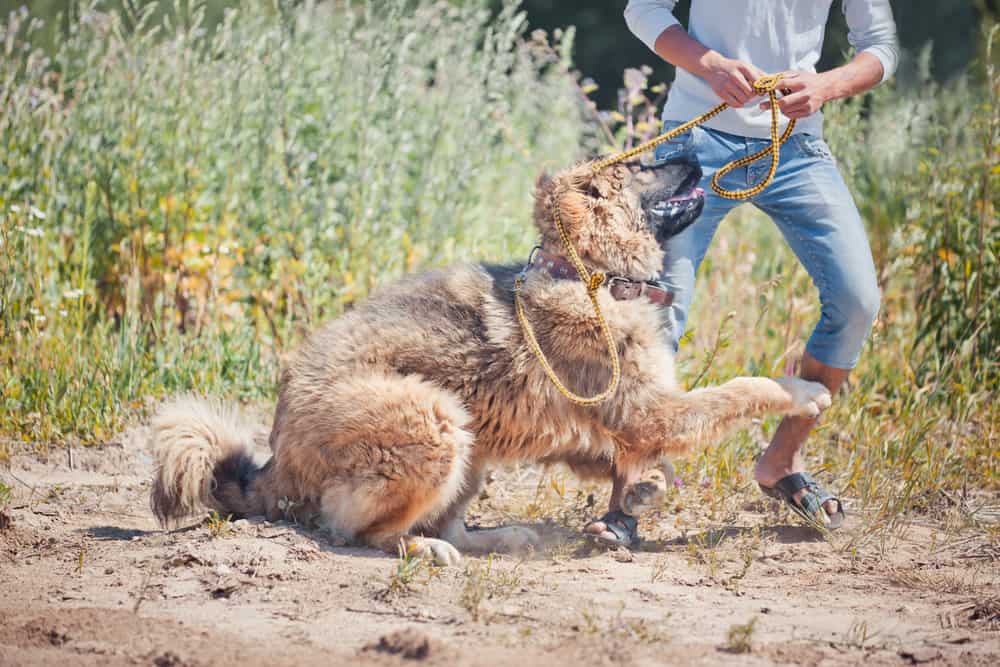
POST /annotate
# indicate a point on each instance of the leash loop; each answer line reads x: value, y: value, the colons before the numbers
x: 766, y: 85
x: 593, y: 282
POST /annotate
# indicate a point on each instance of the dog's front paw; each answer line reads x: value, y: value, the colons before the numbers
x: 809, y: 399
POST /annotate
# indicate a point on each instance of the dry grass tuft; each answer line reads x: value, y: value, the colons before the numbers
x: 983, y: 612
x: 487, y: 580
x: 739, y: 637
x: 410, y: 571
x: 941, y: 582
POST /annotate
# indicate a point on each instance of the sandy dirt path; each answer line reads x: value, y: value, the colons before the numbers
x: 87, y: 577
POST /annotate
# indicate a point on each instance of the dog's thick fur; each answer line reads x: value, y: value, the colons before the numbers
x: 388, y: 417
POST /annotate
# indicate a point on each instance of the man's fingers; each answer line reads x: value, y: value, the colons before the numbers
x: 741, y: 87
x: 734, y: 95
x: 793, y: 82
x: 793, y: 100
x: 750, y: 72
x: 798, y: 114
x: 796, y: 111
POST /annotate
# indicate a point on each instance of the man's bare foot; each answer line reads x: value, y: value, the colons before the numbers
x: 778, y: 462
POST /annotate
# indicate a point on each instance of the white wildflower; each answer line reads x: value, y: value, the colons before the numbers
x: 36, y: 213
x: 73, y: 294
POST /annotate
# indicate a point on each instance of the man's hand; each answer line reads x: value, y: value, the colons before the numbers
x: 805, y: 93
x: 732, y: 80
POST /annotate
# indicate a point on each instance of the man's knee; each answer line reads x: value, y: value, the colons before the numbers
x: 857, y: 307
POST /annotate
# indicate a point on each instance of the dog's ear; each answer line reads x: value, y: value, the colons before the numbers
x: 574, y: 209
x: 561, y: 193
x: 609, y: 181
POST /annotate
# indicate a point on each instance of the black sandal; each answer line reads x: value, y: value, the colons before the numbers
x: 810, y: 506
x: 623, y: 526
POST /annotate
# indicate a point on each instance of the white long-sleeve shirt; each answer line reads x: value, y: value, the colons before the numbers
x: 774, y: 35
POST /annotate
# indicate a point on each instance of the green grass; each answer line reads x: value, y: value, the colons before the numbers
x: 177, y: 208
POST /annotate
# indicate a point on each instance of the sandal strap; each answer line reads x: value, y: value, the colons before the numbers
x: 623, y: 526
x: 811, y: 504
x: 792, y: 484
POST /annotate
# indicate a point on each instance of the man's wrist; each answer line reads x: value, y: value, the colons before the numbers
x: 829, y: 88
x: 707, y: 63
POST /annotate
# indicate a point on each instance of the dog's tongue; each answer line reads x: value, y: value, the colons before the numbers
x: 696, y: 192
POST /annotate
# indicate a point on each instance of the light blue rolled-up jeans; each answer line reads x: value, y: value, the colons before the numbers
x: 815, y: 212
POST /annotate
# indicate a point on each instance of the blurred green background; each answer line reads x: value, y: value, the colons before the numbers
x: 604, y: 47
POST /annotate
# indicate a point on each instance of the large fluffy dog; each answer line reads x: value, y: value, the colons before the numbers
x: 388, y: 417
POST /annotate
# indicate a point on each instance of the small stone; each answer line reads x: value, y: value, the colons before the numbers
x: 409, y: 644
x: 622, y: 555
x: 919, y: 656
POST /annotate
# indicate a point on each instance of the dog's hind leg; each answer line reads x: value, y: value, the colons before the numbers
x: 382, y: 454
x: 450, y: 525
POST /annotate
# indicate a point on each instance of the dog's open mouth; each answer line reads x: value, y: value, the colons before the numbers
x: 677, y: 204
x: 671, y: 216
x: 694, y: 193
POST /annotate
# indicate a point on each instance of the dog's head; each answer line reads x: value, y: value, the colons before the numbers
x: 619, y: 218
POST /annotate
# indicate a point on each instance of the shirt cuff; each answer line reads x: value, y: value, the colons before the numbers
x: 888, y: 56
x: 650, y: 24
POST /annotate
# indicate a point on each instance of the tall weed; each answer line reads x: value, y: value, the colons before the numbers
x: 178, y: 206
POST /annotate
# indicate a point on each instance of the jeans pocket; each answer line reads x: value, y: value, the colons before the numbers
x: 814, y: 146
x: 679, y: 146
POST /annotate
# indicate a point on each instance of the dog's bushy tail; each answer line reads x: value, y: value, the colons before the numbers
x: 203, y: 452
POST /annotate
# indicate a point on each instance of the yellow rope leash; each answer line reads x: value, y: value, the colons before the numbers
x: 593, y: 281
x: 766, y: 85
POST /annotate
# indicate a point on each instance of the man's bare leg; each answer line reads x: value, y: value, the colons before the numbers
x: 784, y: 455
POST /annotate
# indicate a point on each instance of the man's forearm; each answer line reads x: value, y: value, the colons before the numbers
x: 679, y: 48
x: 864, y: 72
x: 732, y: 80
